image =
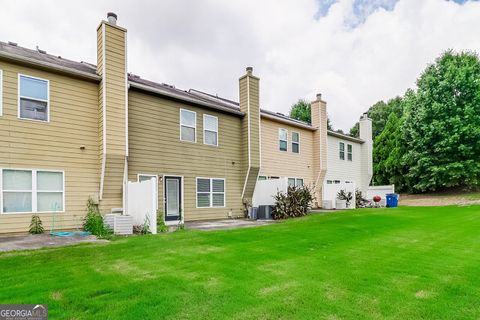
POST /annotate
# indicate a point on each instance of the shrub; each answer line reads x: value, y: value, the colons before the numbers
x: 345, y: 195
x: 360, y: 201
x: 295, y: 203
x: 161, y: 226
x: 93, y: 221
x: 36, y: 226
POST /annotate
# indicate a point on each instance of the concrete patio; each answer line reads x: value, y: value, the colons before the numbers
x: 226, y: 224
x: 28, y: 242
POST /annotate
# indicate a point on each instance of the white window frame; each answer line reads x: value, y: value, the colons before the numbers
x: 297, y: 143
x: 211, y: 193
x: 146, y: 175
x: 204, y: 130
x: 280, y: 130
x: 34, y: 190
x: 20, y: 75
x: 295, y: 181
x: 350, y: 153
x: 340, y: 150
x: 184, y: 125
x: 1, y: 92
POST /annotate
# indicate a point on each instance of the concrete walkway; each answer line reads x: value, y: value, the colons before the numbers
x: 28, y: 242
x: 226, y: 224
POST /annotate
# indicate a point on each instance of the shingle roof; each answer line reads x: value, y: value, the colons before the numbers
x: 14, y: 51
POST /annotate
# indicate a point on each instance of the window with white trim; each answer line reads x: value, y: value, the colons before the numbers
x: 295, y: 142
x: 349, y: 152
x: 210, y: 130
x: 1, y: 92
x: 33, y: 100
x: 32, y: 191
x: 188, y: 125
x: 210, y: 193
x: 295, y: 182
x: 145, y: 177
x: 342, y: 151
x: 283, y: 139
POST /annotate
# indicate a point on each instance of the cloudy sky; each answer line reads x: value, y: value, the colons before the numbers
x: 354, y: 52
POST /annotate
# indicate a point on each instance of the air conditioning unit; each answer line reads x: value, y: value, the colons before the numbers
x: 264, y: 212
x: 120, y: 224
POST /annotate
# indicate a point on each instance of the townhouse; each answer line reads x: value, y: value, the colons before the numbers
x: 70, y: 131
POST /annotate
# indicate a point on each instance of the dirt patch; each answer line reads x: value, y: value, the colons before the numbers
x: 56, y: 295
x: 422, y: 294
x: 429, y: 200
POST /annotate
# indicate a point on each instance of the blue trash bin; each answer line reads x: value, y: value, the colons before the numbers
x: 392, y: 200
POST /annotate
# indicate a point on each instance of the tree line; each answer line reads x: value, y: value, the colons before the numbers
x: 429, y: 138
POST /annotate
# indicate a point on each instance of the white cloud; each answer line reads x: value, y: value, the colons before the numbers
x: 353, y: 59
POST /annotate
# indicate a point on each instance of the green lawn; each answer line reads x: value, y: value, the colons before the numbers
x: 404, y: 263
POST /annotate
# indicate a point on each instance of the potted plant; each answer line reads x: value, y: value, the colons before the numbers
x: 344, y: 198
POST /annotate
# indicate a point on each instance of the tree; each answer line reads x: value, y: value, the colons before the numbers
x: 379, y: 113
x: 388, y: 153
x: 442, y: 125
x: 302, y: 111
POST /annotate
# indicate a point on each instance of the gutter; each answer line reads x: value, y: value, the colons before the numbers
x: 286, y: 121
x: 344, y: 136
x: 51, y: 66
x: 181, y: 97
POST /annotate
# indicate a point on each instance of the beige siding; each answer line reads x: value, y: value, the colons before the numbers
x: 112, y: 67
x: 286, y: 163
x: 250, y: 105
x: 54, y: 145
x: 155, y: 148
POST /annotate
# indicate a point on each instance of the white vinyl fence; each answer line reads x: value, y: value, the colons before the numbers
x: 381, y: 191
x: 265, y: 190
x: 330, y: 192
x: 142, y: 202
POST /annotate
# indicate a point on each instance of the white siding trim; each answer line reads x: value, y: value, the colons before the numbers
x: 104, y: 108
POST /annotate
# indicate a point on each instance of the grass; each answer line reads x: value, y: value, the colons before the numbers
x: 403, y: 263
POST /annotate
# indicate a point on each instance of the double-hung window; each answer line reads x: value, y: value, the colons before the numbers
x: 295, y: 142
x: 342, y: 151
x: 210, y: 130
x: 26, y: 191
x: 210, y: 193
x: 188, y: 125
x: 33, y: 98
x: 283, y: 139
x: 295, y: 182
x: 349, y: 152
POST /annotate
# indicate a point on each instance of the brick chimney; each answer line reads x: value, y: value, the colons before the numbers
x: 113, y: 104
x: 250, y: 105
x: 319, y: 122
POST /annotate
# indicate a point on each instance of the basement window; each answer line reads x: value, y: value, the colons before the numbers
x: 283, y: 139
x: 210, y: 130
x: 32, y: 191
x: 295, y: 142
x: 188, y: 125
x: 33, y: 98
x: 210, y: 193
x: 342, y: 151
x: 349, y: 152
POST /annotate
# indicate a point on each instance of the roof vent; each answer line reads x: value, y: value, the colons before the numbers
x: 12, y: 43
x: 41, y: 51
x: 112, y: 18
